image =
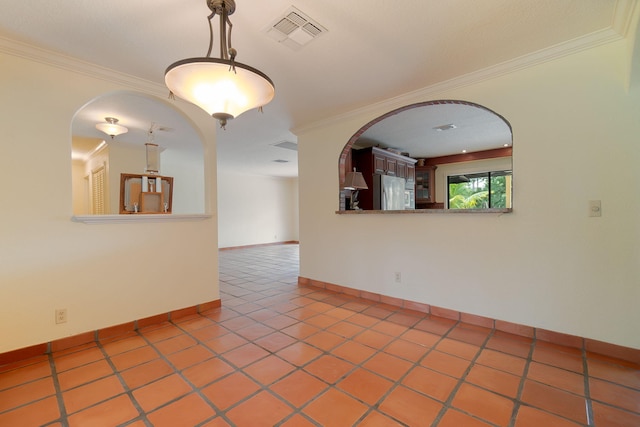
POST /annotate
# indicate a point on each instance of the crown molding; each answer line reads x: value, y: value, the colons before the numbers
x: 560, y: 50
x: 69, y: 63
x: 620, y: 27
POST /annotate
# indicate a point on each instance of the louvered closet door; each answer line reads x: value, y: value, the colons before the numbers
x: 98, y: 178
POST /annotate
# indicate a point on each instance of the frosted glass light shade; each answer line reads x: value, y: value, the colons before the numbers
x: 111, y: 127
x: 212, y: 84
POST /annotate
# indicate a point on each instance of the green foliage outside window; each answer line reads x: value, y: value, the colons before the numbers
x: 480, y: 191
x: 498, y: 191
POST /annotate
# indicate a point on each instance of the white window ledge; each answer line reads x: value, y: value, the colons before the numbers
x: 120, y: 219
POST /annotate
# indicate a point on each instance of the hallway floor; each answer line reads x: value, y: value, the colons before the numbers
x: 277, y: 354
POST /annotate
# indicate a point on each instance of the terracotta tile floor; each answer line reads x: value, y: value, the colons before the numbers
x: 279, y: 355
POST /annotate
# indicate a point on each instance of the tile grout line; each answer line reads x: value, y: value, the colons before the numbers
x: 31, y: 381
x: 587, y: 389
x: 195, y: 389
x: 300, y: 368
x: 520, y: 403
x: 360, y: 365
x: 325, y: 352
x: 523, y: 379
x: 265, y: 388
x: 416, y: 364
x: 449, y: 402
x: 56, y: 383
x: 127, y: 391
x: 517, y: 402
x: 396, y: 383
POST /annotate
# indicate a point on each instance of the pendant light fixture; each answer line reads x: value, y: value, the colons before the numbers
x: 153, y: 153
x: 111, y: 127
x: 221, y: 86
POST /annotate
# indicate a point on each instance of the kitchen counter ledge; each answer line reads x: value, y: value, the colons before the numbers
x: 427, y: 211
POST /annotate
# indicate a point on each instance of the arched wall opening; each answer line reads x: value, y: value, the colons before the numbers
x: 439, y: 141
x: 97, y: 157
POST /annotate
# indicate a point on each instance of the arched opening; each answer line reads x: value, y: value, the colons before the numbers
x: 447, y: 155
x: 156, y: 133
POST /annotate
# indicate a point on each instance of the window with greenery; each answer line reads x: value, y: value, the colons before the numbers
x: 484, y: 190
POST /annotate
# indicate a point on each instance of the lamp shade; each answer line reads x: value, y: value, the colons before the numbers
x: 222, y: 88
x: 111, y: 127
x: 355, y: 181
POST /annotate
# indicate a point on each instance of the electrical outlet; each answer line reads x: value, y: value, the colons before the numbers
x: 61, y: 315
x: 398, y: 277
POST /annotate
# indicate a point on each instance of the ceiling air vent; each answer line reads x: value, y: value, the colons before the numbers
x: 294, y: 29
x: 448, y: 126
x: 287, y: 145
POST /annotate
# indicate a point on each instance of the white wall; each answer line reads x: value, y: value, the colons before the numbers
x: 120, y: 159
x: 102, y: 274
x: 547, y: 264
x: 79, y: 188
x: 187, y: 170
x: 255, y: 209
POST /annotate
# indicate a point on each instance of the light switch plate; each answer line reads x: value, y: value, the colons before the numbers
x: 595, y: 208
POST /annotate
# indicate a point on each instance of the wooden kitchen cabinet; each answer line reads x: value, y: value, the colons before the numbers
x: 425, y: 186
x: 383, y: 162
x: 373, y: 160
x: 379, y: 163
x: 411, y: 172
x: 406, y: 170
x: 391, y: 166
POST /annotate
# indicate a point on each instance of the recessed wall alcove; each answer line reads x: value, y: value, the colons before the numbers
x: 454, y: 156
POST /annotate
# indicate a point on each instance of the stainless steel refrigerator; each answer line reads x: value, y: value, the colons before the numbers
x: 389, y: 193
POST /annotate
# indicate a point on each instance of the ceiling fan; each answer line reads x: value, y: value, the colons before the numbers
x: 154, y: 128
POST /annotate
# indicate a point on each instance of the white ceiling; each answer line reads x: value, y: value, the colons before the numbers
x: 372, y: 50
x: 145, y: 118
x: 467, y: 128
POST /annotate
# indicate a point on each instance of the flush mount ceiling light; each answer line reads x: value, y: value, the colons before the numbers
x: 111, y: 127
x: 221, y: 86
